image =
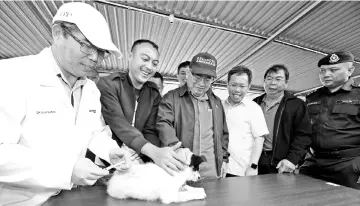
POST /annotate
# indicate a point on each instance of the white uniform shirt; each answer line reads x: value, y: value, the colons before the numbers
x: 42, y: 135
x: 245, y: 122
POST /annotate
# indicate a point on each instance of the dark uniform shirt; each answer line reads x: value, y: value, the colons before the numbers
x: 335, y: 118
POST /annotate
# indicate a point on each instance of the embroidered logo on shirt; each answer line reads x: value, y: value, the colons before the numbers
x: 45, y: 112
x: 92, y: 110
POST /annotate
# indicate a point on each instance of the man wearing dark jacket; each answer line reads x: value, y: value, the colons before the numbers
x: 130, y: 105
x: 288, y: 123
x: 194, y: 115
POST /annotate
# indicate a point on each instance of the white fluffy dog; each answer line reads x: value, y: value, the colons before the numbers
x: 150, y: 182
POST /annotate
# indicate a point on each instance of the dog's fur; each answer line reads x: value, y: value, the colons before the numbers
x: 150, y: 182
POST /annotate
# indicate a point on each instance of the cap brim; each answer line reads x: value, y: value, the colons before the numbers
x: 202, y: 71
x: 101, y: 37
x: 111, y: 48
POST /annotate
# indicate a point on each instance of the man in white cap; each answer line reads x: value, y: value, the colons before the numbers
x: 51, y: 114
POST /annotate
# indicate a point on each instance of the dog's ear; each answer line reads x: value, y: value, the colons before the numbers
x: 197, y: 160
x: 203, y: 158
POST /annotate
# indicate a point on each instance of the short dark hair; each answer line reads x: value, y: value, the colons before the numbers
x: 240, y: 70
x: 183, y: 64
x: 142, y: 41
x: 276, y: 68
x: 158, y: 75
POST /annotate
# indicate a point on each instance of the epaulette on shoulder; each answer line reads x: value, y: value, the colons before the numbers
x: 312, y: 92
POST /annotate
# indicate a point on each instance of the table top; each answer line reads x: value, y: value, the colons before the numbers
x: 272, y: 189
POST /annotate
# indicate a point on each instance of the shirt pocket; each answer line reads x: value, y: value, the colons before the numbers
x: 346, y: 107
x: 344, y: 114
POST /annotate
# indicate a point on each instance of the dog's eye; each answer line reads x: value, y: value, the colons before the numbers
x: 195, y: 168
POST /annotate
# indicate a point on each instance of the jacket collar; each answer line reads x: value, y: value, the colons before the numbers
x: 286, y: 97
x: 347, y: 86
x: 125, y: 77
x: 185, y: 90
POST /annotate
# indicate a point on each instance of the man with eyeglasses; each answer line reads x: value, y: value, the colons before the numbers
x: 194, y: 115
x: 246, y: 124
x: 288, y: 123
x: 335, y: 119
x: 51, y: 114
x: 130, y: 105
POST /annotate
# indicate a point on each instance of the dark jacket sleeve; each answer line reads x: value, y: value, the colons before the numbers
x: 302, y: 134
x: 165, y: 121
x: 149, y: 131
x: 114, y: 117
x: 225, y: 139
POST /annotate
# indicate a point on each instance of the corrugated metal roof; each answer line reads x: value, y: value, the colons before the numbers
x: 227, y: 29
x: 332, y: 26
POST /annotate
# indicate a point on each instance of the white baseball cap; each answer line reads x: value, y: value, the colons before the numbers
x: 91, y: 23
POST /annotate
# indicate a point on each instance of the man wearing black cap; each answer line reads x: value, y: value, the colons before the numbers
x: 194, y: 115
x: 334, y: 113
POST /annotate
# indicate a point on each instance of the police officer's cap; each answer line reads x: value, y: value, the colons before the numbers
x: 336, y: 58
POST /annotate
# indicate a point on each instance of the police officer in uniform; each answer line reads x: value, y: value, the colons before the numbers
x: 335, y: 119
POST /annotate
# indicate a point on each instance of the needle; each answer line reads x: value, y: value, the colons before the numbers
x: 115, y: 165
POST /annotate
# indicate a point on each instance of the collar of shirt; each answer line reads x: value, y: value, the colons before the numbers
x: 202, y: 98
x: 277, y: 101
x: 229, y: 105
x: 347, y: 86
x: 58, y: 72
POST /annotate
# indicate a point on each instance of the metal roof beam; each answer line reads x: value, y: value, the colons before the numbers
x: 276, y: 34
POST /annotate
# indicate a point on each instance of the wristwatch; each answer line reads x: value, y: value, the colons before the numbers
x: 253, y: 166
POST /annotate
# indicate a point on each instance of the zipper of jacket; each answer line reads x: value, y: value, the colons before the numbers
x: 216, y: 149
x: 277, y: 131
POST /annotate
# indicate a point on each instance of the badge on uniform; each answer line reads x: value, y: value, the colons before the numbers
x: 334, y: 58
x: 92, y: 110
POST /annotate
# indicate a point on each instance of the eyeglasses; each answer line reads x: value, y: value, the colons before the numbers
x: 198, y: 78
x: 88, y: 49
x: 276, y: 80
x: 234, y: 86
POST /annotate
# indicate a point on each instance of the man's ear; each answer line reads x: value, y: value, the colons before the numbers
x: 351, y: 70
x: 57, y: 32
x: 130, y: 56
